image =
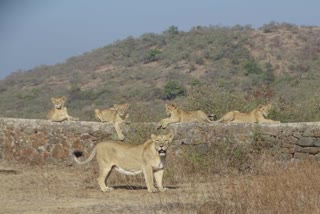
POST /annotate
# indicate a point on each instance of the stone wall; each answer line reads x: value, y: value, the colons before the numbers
x: 39, y: 141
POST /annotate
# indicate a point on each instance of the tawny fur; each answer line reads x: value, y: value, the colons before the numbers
x: 59, y: 113
x: 116, y: 115
x: 148, y: 158
x: 255, y: 116
x: 178, y: 115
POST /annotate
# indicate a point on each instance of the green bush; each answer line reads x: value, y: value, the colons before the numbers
x: 152, y: 55
x: 173, y: 89
x: 215, y: 100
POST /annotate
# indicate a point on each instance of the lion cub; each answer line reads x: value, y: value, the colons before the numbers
x: 255, y: 116
x: 148, y: 158
x: 59, y: 113
x: 116, y: 115
x: 178, y: 115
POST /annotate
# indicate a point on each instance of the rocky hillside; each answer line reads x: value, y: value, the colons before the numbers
x: 278, y: 63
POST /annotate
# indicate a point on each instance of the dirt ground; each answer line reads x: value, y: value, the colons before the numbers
x: 73, y: 189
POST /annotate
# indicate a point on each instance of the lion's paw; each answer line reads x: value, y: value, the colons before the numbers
x: 153, y: 190
x: 163, y: 189
x: 107, y: 189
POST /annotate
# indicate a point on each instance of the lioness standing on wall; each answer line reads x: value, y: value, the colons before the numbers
x: 178, y: 115
x: 255, y: 116
x: 59, y: 113
x: 148, y: 158
x: 116, y: 115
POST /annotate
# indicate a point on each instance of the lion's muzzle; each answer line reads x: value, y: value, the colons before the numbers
x: 58, y: 106
x: 162, y: 152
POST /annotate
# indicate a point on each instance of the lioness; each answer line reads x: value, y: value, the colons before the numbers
x: 116, y: 115
x: 255, y: 116
x: 178, y: 115
x: 59, y: 113
x: 148, y: 158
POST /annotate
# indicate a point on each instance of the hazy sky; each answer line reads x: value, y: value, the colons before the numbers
x: 38, y: 32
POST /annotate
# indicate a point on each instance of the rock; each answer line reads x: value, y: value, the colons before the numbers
x: 316, y: 142
x: 310, y: 150
x: 40, y: 140
x: 305, y: 142
x: 317, y: 157
x: 287, y: 145
x: 60, y: 152
x: 312, y: 132
x: 302, y: 156
x: 28, y: 155
x: 285, y: 150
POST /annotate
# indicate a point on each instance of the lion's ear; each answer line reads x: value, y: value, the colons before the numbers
x: 52, y: 99
x: 116, y: 107
x: 174, y: 105
x: 153, y: 137
x: 171, y: 135
x: 63, y: 98
x: 260, y: 106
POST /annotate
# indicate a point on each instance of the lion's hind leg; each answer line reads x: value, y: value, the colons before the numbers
x: 119, y: 131
x: 104, y: 173
x: 228, y: 117
x: 68, y: 117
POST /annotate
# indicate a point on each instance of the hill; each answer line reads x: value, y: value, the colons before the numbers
x: 213, y: 68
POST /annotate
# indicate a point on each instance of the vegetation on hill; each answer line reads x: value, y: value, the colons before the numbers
x: 212, y: 68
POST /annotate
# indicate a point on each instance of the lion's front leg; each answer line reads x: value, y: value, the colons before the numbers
x: 118, y: 130
x: 104, y: 172
x: 72, y: 118
x: 158, y: 175
x: 165, y: 122
x: 148, y: 175
x: 67, y: 116
x: 126, y: 119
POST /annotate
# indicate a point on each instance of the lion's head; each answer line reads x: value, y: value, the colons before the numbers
x: 264, y: 109
x: 170, y: 108
x: 121, y: 109
x: 162, y: 142
x: 58, y: 102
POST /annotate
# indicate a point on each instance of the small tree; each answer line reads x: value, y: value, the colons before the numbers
x: 173, y: 89
x: 152, y: 55
x: 172, y: 31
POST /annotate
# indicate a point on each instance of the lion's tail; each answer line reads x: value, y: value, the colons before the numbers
x: 220, y: 120
x: 212, y: 118
x: 77, y: 154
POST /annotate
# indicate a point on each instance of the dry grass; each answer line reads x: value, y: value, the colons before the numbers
x: 269, y: 187
x: 290, y: 189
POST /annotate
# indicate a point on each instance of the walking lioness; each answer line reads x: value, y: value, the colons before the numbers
x: 148, y: 158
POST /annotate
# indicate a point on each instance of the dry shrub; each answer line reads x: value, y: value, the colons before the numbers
x: 152, y: 111
x: 218, y: 101
x: 290, y: 189
x: 219, y: 158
